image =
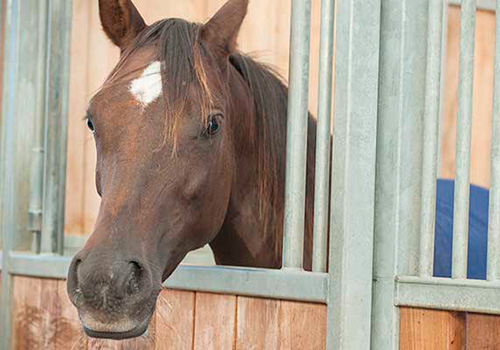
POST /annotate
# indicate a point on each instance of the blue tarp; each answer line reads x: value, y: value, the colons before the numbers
x: 478, y: 231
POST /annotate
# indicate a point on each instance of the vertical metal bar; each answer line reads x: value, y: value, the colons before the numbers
x: 399, y: 143
x: 430, y: 137
x: 323, y: 139
x: 353, y: 174
x: 464, y: 127
x: 493, y: 270
x: 56, y: 125
x: 37, y: 157
x: 293, y: 241
x: 8, y: 218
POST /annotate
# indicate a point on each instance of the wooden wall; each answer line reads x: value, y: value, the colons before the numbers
x: 443, y: 330
x: 43, y: 318
x: 483, y: 97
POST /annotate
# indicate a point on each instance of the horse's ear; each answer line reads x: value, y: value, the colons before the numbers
x: 121, y: 21
x: 221, y: 31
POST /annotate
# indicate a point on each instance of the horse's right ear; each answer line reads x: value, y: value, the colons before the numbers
x: 121, y: 21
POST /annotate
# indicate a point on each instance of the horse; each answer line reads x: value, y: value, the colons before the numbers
x: 190, y: 137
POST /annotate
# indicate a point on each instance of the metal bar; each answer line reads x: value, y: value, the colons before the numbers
x: 296, y: 151
x: 464, y: 127
x: 353, y: 174
x: 430, y: 137
x: 493, y: 266
x: 56, y: 125
x: 276, y: 284
x: 323, y: 138
x: 447, y: 294
x: 7, y: 179
x: 484, y: 5
x: 399, y: 143
x: 37, y: 157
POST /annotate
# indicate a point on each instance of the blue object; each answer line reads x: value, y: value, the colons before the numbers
x: 478, y: 231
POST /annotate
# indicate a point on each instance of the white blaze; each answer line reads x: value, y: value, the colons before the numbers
x: 148, y: 86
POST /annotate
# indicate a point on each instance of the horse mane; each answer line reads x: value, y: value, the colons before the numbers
x: 184, y: 57
x: 270, y: 99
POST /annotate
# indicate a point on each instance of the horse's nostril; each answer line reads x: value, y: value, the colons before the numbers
x: 134, y: 281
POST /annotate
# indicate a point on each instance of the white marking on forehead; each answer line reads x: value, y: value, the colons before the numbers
x: 148, y: 87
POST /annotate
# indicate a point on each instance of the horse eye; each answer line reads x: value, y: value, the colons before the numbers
x: 90, y: 125
x: 213, y: 125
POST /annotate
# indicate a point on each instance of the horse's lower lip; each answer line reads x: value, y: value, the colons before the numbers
x: 133, y: 333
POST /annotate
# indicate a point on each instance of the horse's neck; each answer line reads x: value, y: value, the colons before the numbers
x: 243, y: 241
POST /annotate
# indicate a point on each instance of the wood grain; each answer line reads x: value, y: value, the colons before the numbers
x: 483, y: 332
x: 49, y: 300
x: 175, y: 320
x: 431, y: 330
x: 215, y: 322
x: 257, y: 323
x: 70, y: 333
x: 27, y: 314
x: 482, y: 101
x: 302, y: 326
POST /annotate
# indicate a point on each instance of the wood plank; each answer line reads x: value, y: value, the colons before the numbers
x: 483, y: 332
x: 175, y: 320
x: 302, y: 326
x: 49, y: 309
x: 431, y: 329
x: 215, y: 322
x: 78, y: 134
x: 27, y: 315
x: 257, y: 323
x: 70, y: 333
x: 482, y: 100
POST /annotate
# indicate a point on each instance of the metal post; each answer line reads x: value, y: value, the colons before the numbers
x: 430, y: 137
x: 464, y: 127
x: 37, y: 157
x: 493, y: 271
x: 323, y: 139
x: 296, y: 154
x: 353, y: 174
x: 56, y: 125
x: 399, y: 144
x: 8, y: 219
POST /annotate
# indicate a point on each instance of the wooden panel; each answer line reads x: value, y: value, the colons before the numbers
x: 483, y: 332
x: 175, y: 320
x: 69, y: 329
x: 215, y: 322
x: 302, y: 326
x: 482, y: 103
x: 258, y: 323
x: 430, y: 330
x: 50, y: 313
x: 27, y: 314
x: 78, y: 137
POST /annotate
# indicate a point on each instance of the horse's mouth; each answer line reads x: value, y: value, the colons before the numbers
x: 137, y: 331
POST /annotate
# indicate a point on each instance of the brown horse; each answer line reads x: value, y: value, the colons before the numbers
x: 190, y: 138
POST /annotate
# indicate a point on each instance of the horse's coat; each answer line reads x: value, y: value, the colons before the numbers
x: 148, y: 87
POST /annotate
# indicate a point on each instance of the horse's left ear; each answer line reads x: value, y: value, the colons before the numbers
x: 221, y: 31
x: 121, y: 21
